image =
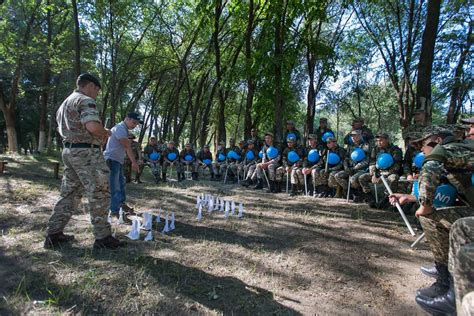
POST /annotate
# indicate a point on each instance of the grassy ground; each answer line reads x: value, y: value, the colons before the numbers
x: 298, y: 256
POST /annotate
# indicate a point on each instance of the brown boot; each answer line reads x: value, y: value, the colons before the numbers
x: 55, y: 240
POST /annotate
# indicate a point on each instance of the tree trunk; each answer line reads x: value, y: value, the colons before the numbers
x: 45, y: 84
x: 249, y: 71
x: 455, y: 102
x: 221, y: 132
x: 77, y: 39
x: 311, y: 107
x: 425, y: 66
x: 278, y: 71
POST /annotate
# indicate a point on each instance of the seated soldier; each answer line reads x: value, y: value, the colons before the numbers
x: 220, y: 164
x: 366, y: 133
x: 270, y: 162
x: 137, y: 151
x: 204, y: 159
x: 323, y: 130
x: 385, y: 159
x: 249, y: 164
x: 233, y: 159
x: 293, y: 157
x: 153, y: 158
x: 334, y: 162
x: 356, y: 163
x: 257, y: 142
x: 187, y: 159
x: 411, y: 163
x: 170, y: 159
x: 291, y: 131
x: 312, y: 157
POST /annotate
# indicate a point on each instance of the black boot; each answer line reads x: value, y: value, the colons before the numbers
x: 277, y: 187
x: 108, y: 242
x: 259, y: 185
x: 212, y: 175
x: 55, y: 240
x: 195, y: 176
x: 245, y: 183
x: 323, y: 191
x: 440, y: 287
x: 163, y: 176
x: 271, y: 188
x: 293, y: 190
x: 316, y: 191
x: 430, y: 271
x: 442, y: 304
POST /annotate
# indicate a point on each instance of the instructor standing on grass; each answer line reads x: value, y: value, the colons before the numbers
x: 84, y: 166
x: 118, y: 145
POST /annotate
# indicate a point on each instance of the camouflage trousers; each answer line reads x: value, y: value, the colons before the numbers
x: 127, y: 170
x: 85, y: 172
x: 321, y: 177
x: 233, y: 167
x: 219, y: 167
x: 461, y: 261
x: 437, y: 225
x: 342, y: 178
x: 192, y: 166
x: 405, y: 186
x: 296, y: 175
x: 155, y: 168
x: 332, y: 181
x: 365, y: 180
x: 251, y: 172
x: 271, y: 168
x: 166, y: 165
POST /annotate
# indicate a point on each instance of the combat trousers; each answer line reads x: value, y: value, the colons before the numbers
x: 366, y: 179
x: 86, y: 172
x: 461, y: 261
x: 342, y: 178
x: 192, y: 166
x: 251, y: 172
x: 332, y: 182
x: 166, y: 164
x: 219, y: 167
x: 271, y: 171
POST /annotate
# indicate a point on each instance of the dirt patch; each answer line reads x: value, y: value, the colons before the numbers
x: 286, y: 256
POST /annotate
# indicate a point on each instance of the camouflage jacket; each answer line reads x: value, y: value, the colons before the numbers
x: 361, y: 165
x: 275, y: 160
x: 396, y: 154
x: 408, y: 166
x: 149, y: 149
x: 250, y: 161
x: 184, y: 153
x: 306, y: 162
x: 455, y: 161
x: 169, y: 151
x: 319, y: 135
x: 201, y: 155
x: 299, y: 151
x: 72, y: 116
x: 295, y: 132
x: 237, y: 150
x: 341, y: 152
x: 367, y: 135
x: 413, y: 128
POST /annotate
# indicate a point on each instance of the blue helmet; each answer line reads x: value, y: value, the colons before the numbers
x: 384, y: 161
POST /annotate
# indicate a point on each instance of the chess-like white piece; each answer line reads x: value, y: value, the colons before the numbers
x: 199, y: 216
x: 227, y: 206
x: 134, y: 234
x: 216, y: 205
x: 241, y: 210
x: 147, y: 221
x: 222, y: 206
x: 109, y: 218
x: 158, y: 217
x: 210, y: 206
x: 172, y: 227
x: 121, y: 221
x: 232, y: 207
x: 198, y: 201
x: 149, y: 236
x: 166, y: 229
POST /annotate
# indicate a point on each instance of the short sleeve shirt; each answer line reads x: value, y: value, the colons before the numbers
x: 115, y: 150
x: 72, y: 116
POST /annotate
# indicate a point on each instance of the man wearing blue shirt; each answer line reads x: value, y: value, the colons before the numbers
x: 117, y: 146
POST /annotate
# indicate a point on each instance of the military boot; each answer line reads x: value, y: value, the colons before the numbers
x: 442, y: 304
x: 440, y: 287
x: 245, y: 183
x: 271, y: 188
x: 108, y: 242
x: 277, y: 187
x: 195, y: 176
x: 339, y: 194
x: 294, y: 191
x: 259, y: 184
x: 55, y: 240
x: 180, y: 176
x: 430, y: 271
x: 163, y: 176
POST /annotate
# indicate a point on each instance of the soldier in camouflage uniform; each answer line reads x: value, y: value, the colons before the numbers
x: 249, y: 164
x: 461, y: 263
x: 170, y: 149
x: 205, y: 154
x: 294, y: 168
x: 311, y: 167
x: 270, y: 165
x: 257, y: 141
x: 354, y: 169
x: 324, y: 176
x: 391, y: 174
x: 452, y: 161
x: 232, y: 162
x: 84, y: 166
x: 127, y: 166
x: 291, y: 131
x: 186, y: 164
x: 150, y: 150
x: 220, y: 164
x: 366, y: 133
x: 321, y: 130
x: 470, y: 125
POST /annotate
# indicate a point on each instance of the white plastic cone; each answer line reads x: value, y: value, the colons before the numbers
x: 222, y: 206
x: 172, y: 227
x: 166, y: 229
x: 227, y: 206
x: 121, y: 221
x: 241, y: 210
x: 158, y: 217
x: 198, y: 201
x: 216, y: 204
x: 210, y: 206
x: 147, y: 221
x: 232, y: 207
x: 199, y: 216
x: 149, y: 236
x: 134, y: 234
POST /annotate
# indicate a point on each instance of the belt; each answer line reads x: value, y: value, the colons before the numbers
x: 80, y: 145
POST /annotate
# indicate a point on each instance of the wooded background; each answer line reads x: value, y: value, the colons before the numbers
x: 204, y: 71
